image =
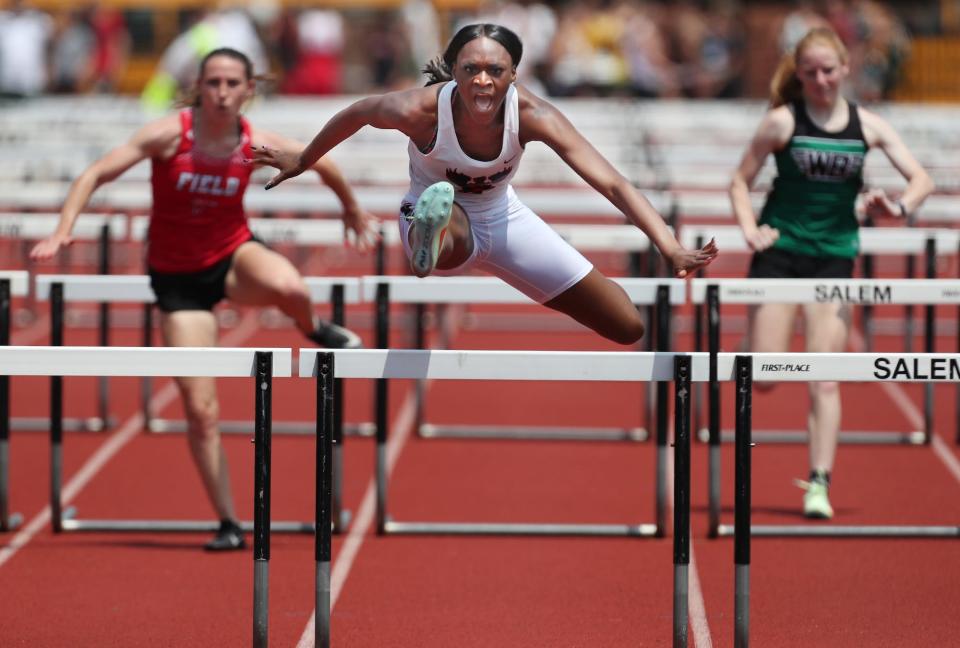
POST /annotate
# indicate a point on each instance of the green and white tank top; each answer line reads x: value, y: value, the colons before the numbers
x: 819, y: 175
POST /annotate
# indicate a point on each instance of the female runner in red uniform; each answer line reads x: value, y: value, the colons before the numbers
x: 200, y: 247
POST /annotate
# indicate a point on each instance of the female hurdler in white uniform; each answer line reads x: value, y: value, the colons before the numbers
x: 467, y: 131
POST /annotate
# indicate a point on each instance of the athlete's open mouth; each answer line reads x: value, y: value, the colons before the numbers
x: 483, y: 102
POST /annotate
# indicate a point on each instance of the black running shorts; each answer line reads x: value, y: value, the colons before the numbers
x: 201, y: 290
x: 783, y: 264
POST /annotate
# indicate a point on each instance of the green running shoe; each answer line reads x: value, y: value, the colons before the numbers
x: 816, y: 501
x: 431, y: 216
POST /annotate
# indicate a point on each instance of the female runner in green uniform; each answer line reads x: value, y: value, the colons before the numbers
x: 808, y: 227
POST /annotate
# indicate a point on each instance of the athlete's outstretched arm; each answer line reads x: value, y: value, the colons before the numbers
x: 881, y: 134
x: 402, y: 111
x: 540, y: 121
x: 145, y: 143
x: 772, y: 134
x: 363, y: 225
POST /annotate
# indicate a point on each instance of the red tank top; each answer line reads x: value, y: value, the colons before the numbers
x: 198, y: 217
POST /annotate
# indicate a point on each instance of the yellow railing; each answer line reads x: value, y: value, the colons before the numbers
x: 932, y: 73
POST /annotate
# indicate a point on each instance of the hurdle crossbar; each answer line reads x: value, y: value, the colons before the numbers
x: 13, y: 283
x: 136, y: 289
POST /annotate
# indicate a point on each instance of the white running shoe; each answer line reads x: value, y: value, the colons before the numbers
x: 816, y: 501
x: 431, y: 216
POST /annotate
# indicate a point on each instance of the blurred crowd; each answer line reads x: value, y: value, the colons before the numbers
x: 638, y: 48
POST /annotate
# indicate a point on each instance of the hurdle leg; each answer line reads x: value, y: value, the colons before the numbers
x: 341, y: 517
x: 713, y: 457
x: 681, y: 499
x: 380, y: 414
x: 56, y: 412
x: 261, y: 496
x: 326, y: 404
x: 663, y: 344
x: 744, y: 385
x: 146, y: 383
x: 8, y: 522
x: 929, y: 334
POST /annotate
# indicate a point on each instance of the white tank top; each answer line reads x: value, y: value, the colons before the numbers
x: 475, y: 182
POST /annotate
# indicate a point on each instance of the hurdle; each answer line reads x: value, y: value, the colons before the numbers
x: 135, y: 289
x: 13, y: 283
x: 387, y: 290
x: 60, y: 361
x: 262, y: 365
x: 845, y: 367
x: 808, y: 291
x: 386, y: 364
x: 101, y: 228
x: 327, y: 366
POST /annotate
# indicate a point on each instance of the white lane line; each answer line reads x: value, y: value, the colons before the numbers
x: 114, y: 443
x: 913, y: 415
x: 696, y: 608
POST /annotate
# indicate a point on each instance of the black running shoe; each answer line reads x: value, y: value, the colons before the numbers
x: 229, y: 538
x: 332, y: 336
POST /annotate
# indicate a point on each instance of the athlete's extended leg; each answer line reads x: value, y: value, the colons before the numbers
x: 261, y: 277
x: 827, y: 326
x: 770, y: 329
x: 189, y: 328
x: 600, y: 304
x: 439, y: 234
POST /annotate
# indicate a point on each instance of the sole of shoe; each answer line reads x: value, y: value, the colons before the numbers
x: 430, y: 219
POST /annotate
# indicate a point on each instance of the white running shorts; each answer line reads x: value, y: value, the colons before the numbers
x: 513, y: 243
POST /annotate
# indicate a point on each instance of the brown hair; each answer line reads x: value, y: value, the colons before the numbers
x: 785, y: 87
x: 190, y: 97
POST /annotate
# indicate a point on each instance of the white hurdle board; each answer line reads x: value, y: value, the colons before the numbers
x: 812, y: 291
x: 136, y: 289
x: 19, y: 281
x: 132, y: 195
x: 501, y: 365
x: 137, y: 361
x: 30, y: 226
x: 873, y: 240
x: 491, y: 290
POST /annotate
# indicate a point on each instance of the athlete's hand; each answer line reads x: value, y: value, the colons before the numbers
x: 360, y: 228
x: 48, y: 247
x: 762, y: 238
x: 876, y: 204
x: 687, y: 261
x: 288, y: 163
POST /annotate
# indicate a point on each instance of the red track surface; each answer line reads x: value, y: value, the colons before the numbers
x: 162, y: 590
